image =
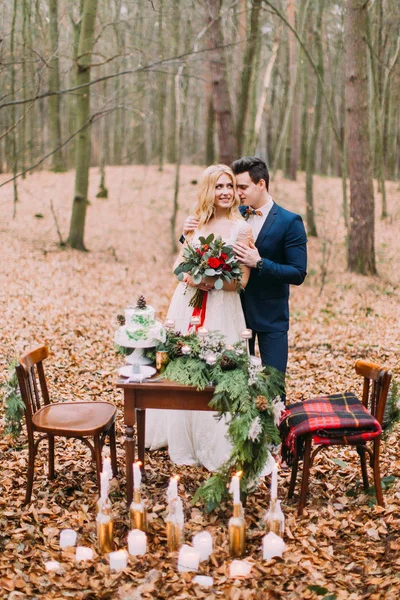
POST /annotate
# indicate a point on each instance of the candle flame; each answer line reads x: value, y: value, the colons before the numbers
x: 239, y: 473
x: 139, y: 463
x: 176, y: 477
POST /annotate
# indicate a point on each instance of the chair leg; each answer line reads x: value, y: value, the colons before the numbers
x: 97, y: 453
x: 31, y: 470
x: 305, y: 477
x: 363, y: 460
x: 377, y: 474
x: 51, y: 456
x: 113, y: 450
x: 293, y: 477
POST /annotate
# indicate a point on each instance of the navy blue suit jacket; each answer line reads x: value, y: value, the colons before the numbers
x: 282, y: 244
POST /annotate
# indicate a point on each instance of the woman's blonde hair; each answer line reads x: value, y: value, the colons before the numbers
x: 204, y: 208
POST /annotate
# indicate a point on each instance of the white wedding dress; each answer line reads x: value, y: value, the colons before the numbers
x: 197, y: 437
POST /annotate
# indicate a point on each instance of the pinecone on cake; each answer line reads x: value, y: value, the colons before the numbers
x: 141, y: 302
x: 121, y: 320
x: 261, y: 403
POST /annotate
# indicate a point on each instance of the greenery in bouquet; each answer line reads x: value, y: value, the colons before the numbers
x: 210, y: 258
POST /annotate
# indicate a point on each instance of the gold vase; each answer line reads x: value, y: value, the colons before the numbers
x: 137, y: 512
x: 237, y: 532
x: 274, y: 519
x: 162, y: 360
x: 174, y: 536
x: 105, y: 533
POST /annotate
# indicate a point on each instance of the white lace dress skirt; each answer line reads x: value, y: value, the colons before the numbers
x: 197, y: 437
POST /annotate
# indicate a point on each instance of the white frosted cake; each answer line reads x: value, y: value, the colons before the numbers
x: 141, y: 329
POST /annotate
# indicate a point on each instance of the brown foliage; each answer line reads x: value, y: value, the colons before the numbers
x: 70, y: 300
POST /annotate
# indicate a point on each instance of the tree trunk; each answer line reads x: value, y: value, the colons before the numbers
x: 161, y: 92
x: 83, y: 145
x: 361, y: 247
x: 54, y: 119
x: 14, y: 147
x: 227, y: 141
x: 294, y: 66
x: 247, y: 72
x: 312, y: 145
x: 210, y: 131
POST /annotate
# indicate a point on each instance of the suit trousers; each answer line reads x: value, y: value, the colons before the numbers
x: 273, y: 348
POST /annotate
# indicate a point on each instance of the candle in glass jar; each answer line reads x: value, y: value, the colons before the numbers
x: 246, y: 334
x: 137, y: 475
x: 169, y: 323
x: 195, y: 321
x: 186, y: 350
x: 67, y: 538
x: 203, y: 543
x: 118, y: 560
x: 188, y: 559
x: 137, y: 542
x: 202, y: 332
x: 273, y: 545
x: 211, y: 360
x: 235, y: 487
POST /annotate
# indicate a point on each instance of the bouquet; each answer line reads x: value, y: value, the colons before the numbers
x: 211, y: 258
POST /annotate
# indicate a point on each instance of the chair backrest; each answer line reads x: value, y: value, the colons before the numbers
x: 32, y: 381
x: 376, y: 386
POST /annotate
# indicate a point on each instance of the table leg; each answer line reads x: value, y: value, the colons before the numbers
x: 129, y: 460
x: 141, y: 432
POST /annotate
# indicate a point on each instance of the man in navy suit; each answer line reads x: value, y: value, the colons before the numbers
x: 277, y: 259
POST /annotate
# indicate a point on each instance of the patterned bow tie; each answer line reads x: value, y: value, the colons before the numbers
x: 251, y: 211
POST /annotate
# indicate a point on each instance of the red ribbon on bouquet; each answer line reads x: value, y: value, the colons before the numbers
x: 200, y: 312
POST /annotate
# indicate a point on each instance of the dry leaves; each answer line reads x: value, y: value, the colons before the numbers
x: 344, y: 547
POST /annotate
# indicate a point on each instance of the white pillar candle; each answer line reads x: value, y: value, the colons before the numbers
x: 239, y: 568
x: 172, y: 492
x: 203, y: 543
x: 273, y: 545
x: 137, y: 475
x: 107, y: 467
x: 83, y: 553
x: 104, y: 482
x: 52, y: 565
x: 67, y: 538
x: 235, y: 487
x: 203, y: 580
x: 274, y: 481
x: 188, y: 559
x: 137, y: 542
x: 118, y: 560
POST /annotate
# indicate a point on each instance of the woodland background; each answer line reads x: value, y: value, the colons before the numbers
x: 151, y: 132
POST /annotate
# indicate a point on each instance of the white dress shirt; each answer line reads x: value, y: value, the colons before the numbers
x: 257, y: 221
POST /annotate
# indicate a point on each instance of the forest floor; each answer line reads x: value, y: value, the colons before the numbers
x: 344, y: 547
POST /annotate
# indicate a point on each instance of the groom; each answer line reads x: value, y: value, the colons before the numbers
x: 277, y: 259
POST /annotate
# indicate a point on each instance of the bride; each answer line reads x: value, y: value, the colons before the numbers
x: 196, y: 437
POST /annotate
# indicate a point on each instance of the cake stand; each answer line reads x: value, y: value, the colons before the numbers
x: 137, y: 356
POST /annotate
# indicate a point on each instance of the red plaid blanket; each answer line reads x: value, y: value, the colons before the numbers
x: 332, y: 418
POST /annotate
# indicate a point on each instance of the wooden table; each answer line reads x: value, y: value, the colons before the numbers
x: 161, y: 394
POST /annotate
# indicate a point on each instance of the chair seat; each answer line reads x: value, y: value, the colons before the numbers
x: 74, y: 418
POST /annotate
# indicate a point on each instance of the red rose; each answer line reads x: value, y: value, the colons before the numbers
x: 223, y: 256
x: 213, y: 262
x: 198, y: 251
x: 227, y: 268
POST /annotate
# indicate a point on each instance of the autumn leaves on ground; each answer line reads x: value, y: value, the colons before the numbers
x: 344, y: 547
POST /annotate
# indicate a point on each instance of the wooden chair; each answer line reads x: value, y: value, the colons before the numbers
x: 78, y: 420
x: 375, y: 390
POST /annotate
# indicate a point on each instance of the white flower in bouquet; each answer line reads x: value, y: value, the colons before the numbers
x: 255, y: 429
x: 277, y: 409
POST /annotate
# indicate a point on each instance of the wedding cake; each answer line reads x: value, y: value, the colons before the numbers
x: 140, y: 328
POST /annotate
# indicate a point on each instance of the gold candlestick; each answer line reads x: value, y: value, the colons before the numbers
x: 105, y: 533
x: 274, y: 519
x: 237, y: 532
x: 138, y: 513
x: 174, y: 536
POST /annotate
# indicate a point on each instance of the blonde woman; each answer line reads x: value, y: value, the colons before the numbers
x: 195, y: 437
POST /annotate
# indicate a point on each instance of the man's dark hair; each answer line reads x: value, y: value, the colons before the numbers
x: 255, y: 166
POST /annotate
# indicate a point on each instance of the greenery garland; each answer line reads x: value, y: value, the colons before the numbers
x: 250, y: 397
x: 14, y: 406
